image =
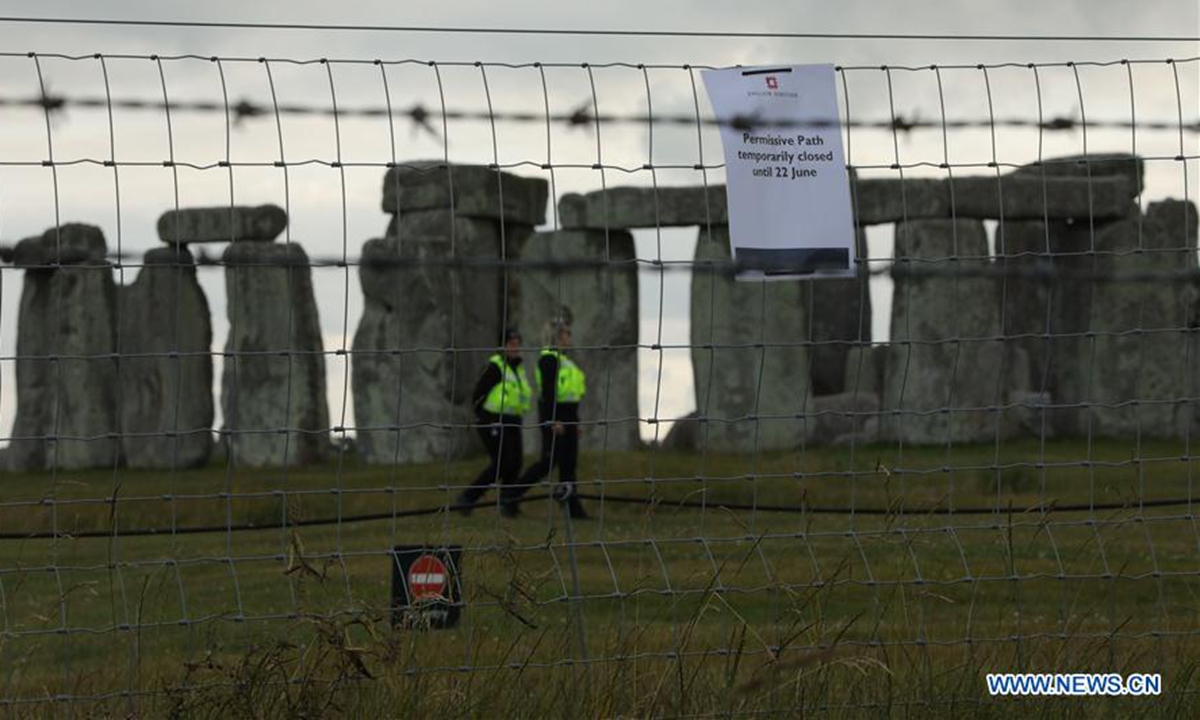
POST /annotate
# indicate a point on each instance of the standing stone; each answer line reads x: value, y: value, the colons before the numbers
x: 273, y: 380
x: 1143, y: 364
x: 943, y: 359
x: 748, y: 356
x: 1061, y: 363
x: 65, y: 371
x: 839, y: 312
x: 427, y: 329
x: 601, y: 303
x: 437, y: 295
x: 166, y: 400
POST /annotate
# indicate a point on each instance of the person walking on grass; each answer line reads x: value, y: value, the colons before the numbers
x: 561, y: 387
x: 501, y: 397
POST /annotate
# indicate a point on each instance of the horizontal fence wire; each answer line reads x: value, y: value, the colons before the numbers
x: 210, y: 479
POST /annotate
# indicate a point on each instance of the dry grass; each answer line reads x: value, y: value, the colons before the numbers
x: 694, y: 613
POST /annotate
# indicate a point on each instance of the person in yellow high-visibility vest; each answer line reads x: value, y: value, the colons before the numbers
x: 501, y: 397
x: 561, y: 387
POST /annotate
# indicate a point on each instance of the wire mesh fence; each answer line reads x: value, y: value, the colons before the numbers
x: 246, y: 371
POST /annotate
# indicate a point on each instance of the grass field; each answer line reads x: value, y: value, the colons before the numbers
x: 684, y: 611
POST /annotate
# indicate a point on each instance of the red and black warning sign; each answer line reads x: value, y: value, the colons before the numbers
x: 426, y: 586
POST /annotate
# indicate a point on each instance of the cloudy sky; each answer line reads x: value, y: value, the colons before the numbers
x: 330, y: 223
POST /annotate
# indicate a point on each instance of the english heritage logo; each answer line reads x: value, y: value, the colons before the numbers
x: 772, y: 82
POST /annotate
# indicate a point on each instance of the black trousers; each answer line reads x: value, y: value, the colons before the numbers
x: 505, y: 453
x: 559, y: 452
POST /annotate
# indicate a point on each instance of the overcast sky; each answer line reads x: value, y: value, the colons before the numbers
x: 327, y: 225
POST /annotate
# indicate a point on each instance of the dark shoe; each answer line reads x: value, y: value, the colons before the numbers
x: 464, y: 504
x: 510, y: 510
x: 575, y: 509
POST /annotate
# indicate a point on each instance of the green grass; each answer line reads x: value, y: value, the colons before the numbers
x: 686, y: 612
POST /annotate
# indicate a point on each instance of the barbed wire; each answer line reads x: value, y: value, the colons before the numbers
x: 423, y: 118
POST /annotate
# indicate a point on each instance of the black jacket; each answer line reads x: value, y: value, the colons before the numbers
x: 490, y: 378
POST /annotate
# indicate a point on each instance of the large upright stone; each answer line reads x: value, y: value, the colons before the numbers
x: 1062, y: 310
x: 748, y: 355
x: 273, y: 379
x: 165, y: 367
x: 944, y: 378
x: 65, y: 370
x: 839, y: 313
x: 438, y: 291
x: 429, y: 324
x: 1140, y: 369
x: 590, y: 278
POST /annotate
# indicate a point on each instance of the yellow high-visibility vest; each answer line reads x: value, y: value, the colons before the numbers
x: 512, y: 395
x: 571, y: 385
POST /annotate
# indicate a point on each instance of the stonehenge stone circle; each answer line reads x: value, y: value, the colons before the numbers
x: 750, y: 366
x: 943, y: 351
x: 1141, y: 361
x: 273, y: 379
x: 165, y: 366
x: 235, y: 223
x: 601, y: 302
x: 437, y: 295
x: 66, y: 378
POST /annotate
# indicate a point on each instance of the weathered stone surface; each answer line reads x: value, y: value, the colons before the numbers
x: 1137, y: 367
x: 65, y: 371
x: 73, y: 243
x: 1027, y: 197
x: 1130, y: 167
x: 839, y: 313
x: 1024, y: 252
x: 273, y: 379
x: 222, y: 224
x: 843, y: 419
x: 876, y: 201
x: 631, y: 207
x: 748, y: 395
x: 601, y: 302
x: 427, y: 330
x: 879, y: 201
x: 684, y: 434
x: 166, y: 402
x: 944, y: 369
x: 865, y: 369
x: 478, y: 192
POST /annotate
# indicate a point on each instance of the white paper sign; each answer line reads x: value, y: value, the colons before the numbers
x: 786, y: 180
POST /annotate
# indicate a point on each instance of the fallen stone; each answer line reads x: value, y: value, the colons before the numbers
x: 65, y: 369
x: 165, y: 365
x: 748, y: 358
x: 226, y: 223
x: 601, y: 302
x: 843, y: 418
x: 478, y: 192
x: 273, y: 380
x: 684, y: 434
x: 944, y: 371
